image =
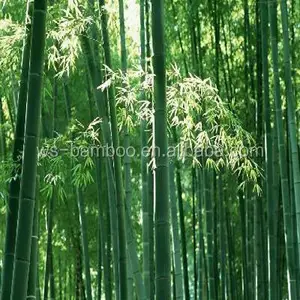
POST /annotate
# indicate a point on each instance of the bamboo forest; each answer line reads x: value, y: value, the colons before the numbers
x: 149, y: 150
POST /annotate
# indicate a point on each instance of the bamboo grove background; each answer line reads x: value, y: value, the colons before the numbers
x: 183, y: 75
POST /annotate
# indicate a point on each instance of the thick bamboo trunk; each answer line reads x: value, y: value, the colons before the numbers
x: 14, y: 188
x: 162, y: 223
x: 28, y: 180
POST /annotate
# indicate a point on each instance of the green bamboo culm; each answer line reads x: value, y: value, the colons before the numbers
x: 49, y: 251
x: 244, y: 245
x: 84, y: 240
x: 132, y: 252
x: 127, y: 162
x: 134, y: 261
x: 208, y: 200
x: 14, y: 188
x: 29, y: 170
x: 201, y: 257
x: 120, y: 196
x: 103, y: 232
x: 175, y: 235
x: 161, y: 178
x: 150, y: 177
x: 111, y: 189
x: 33, y: 271
x: 50, y: 214
x: 222, y: 238
x: 272, y: 272
x: 291, y: 113
x: 98, y: 95
x: 3, y: 153
x: 120, y: 204
x: 144, y: 161
x: 292, y: 288
x: 182, y: 228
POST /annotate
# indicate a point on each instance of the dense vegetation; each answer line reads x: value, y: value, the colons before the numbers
x: 149, y: 150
